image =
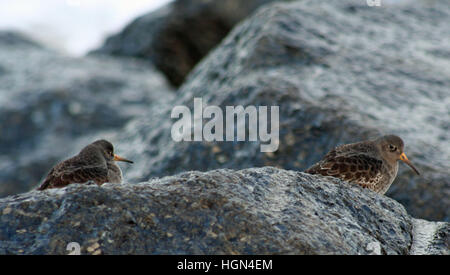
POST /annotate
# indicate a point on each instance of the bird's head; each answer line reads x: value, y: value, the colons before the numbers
x: 391, y: 148
x: 107, y: 150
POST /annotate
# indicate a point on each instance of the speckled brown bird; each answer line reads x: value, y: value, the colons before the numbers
x: 371, y: 164
x: 94, y: 163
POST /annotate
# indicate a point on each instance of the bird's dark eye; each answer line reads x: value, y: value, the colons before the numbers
x: 392, y: 148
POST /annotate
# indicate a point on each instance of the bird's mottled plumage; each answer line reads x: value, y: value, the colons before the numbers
x: 371, y: 164
x: 95, y: 163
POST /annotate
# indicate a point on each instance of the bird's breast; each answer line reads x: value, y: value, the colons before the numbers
x: 114, y: 173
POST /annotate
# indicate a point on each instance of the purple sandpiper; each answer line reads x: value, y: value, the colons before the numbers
x: 371, y: 164
x: 95, y: 163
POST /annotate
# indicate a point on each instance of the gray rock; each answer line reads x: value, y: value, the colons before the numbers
x: 252, y: 211
x: 16, y: 39
x: 52, y: 105
x: 430, y: 238
x: 340, y: 72
x: 176, y: 37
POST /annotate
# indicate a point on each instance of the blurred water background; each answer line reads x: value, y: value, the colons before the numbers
x: 72, y: 26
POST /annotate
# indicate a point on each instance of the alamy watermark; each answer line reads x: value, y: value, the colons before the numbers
x: 73, y: 248
x: 234, y: 126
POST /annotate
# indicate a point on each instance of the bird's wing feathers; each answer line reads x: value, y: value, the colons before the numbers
x: 47, y: 182
x: 354, y: 167
x: 65, y: 174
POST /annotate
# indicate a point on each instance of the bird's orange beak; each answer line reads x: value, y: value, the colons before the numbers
x: 405, y: 159
x: 117, y: 158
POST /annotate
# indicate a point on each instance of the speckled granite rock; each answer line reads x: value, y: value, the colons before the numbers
x: 252, y: 211
x: 176, y: 37
x: 52, y: 105
x: 430, y: 238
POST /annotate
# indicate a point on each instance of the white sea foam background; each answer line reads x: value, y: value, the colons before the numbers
x: 72, y: 26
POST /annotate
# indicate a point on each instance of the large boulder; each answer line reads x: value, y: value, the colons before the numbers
x: 253, y: 211
x: 340, y: 72
x: 52, y: 105
x: 177, y: 36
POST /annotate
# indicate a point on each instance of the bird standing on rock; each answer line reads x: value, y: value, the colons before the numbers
x: 96, y: 162
x: 371, y: 164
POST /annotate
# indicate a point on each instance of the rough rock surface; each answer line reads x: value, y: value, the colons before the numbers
x: 340, y: 72
x: 176, y: 37
x: 52, y: 105
x: 430, y: 238
x: 251, y: 211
